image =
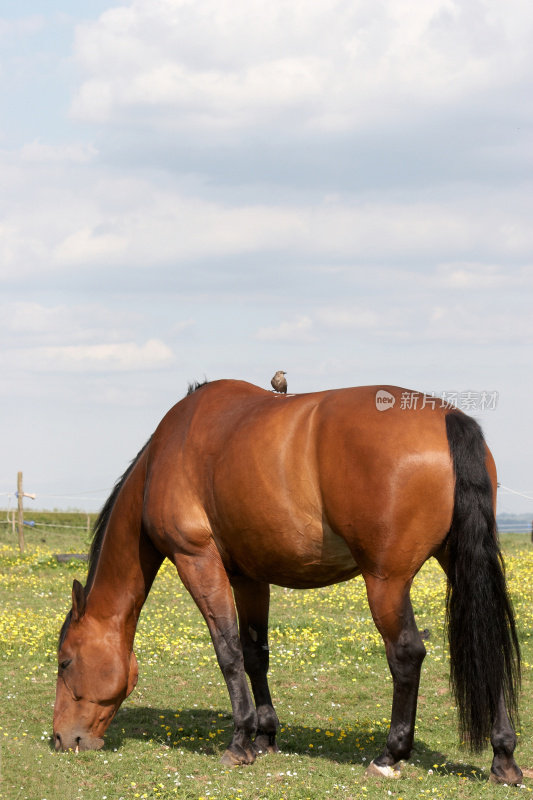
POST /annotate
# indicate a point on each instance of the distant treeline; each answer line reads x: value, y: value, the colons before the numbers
x: 514, y: 523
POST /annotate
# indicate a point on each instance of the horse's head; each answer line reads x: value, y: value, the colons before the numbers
x: 96, y: 672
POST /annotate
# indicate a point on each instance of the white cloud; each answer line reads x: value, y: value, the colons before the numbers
x: 30, y: 321
x: 335, y: 317
x: 468, y: 277
x: 466, y: 324
x: 64, y: 216
x: 481, y: 277
x: 90, y: 338
x: 89, y: 246
x: 409, y: 316
x: 22, y: 27
x: 33, y: 318
x: 115, y: 357
x: 293, y: 331
x: 39, y: 153
x: 330, y: 65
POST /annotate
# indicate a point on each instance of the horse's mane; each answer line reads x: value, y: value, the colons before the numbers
x: 100, y: 525
x: 195, y: 385
x: 103, y: 518
x: 98, y: 535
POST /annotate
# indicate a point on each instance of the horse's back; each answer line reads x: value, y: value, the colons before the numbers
x: 300, y: 490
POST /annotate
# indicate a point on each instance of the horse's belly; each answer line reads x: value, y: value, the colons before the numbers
x: 299, y: 557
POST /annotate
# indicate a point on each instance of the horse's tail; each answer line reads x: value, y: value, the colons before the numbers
x: 484, y: 649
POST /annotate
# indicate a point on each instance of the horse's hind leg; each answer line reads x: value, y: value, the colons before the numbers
x: 393, y: 614
x: 252, y: 601
x: 504, y: 768
x: 207, y: 581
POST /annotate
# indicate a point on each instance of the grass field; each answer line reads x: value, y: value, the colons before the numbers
x: 329, y: 680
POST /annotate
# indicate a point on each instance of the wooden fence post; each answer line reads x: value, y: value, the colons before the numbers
x: 20, y: 498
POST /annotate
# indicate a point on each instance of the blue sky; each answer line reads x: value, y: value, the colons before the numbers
x: 192, y: 189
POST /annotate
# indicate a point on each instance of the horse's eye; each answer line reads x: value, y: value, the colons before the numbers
x: 64, y: 664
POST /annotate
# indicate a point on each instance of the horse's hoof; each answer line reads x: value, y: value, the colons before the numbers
x: 263, y: 745
x: 227, y: 760
x: 375, y: 771
x: 514, y: 780
x: 231, y: 759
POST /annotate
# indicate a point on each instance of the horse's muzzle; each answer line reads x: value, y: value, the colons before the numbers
x: 71, y: 742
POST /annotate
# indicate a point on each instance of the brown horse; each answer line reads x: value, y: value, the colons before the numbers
x: 240, y: 488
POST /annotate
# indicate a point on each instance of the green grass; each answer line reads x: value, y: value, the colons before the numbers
x: 329, y: 680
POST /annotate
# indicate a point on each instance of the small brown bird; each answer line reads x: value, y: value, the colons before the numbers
x: 279, y: 384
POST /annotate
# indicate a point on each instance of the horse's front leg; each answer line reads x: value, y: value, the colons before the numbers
x: 252, y: 600
x: 206, y: 580
x: 393, y: 614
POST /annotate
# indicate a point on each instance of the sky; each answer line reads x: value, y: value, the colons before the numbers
x: 215, y: 189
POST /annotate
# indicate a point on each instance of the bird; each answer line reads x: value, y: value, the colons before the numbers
x: 278, y: 382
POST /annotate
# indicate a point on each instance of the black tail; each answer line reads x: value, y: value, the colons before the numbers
x: 484, y: 649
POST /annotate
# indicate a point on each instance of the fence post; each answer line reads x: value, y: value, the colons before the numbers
x: 20, y: 498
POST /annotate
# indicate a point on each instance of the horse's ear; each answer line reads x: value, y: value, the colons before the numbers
x: 78, y: 601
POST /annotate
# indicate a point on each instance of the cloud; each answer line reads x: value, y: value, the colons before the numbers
x: 90, y: 246
x: 75, y: 217
x: 37, y: 323
x: 401, y: 314
x: 33, y: 318
x: 299, y: 330
x: 335, y: 317
x: 39, y: 153
x: 468, y: 324
x: 21, y: 27
x: 475, y: 276
x: 115, y: 357
x: 91, y: 338
x: 326, y: 66
x: 472, y: 276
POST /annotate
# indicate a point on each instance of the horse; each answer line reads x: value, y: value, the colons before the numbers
x: 241, y: 488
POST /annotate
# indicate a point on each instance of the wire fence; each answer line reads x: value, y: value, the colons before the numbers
x: 46, y: 521
x: 34, y: 524
x: 21, y: 519
x: 83, y: 520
